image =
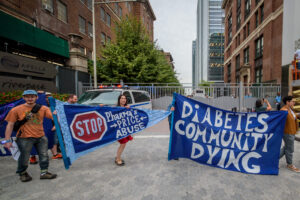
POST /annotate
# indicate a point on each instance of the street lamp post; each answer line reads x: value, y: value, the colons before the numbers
x: 94, y: 31
x: 94, y: 47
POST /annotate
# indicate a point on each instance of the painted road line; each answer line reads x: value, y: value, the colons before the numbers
x: 151, y: 136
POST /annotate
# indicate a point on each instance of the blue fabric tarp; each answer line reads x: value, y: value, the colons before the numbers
x: 86, y: 128
x: 244, y: 142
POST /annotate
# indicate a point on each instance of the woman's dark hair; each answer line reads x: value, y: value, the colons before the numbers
x: 258, y: 103
x: 71, y: 96
x: 118, y: 104
x: 287, y: 98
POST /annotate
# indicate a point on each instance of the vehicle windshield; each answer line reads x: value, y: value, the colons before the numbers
x: 109, y: 97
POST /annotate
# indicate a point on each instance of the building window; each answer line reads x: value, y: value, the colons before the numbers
x: 237, y: 68
x: 257, y: 1
x: 245, y: 32
x: 82, y: 50
x: 258, y: 74
x: 238, y: 40
x: 256, y: 20
x: 238, y: 15
x: 128, y: 5
x: 102, y: 14
x: 238, y: 19
x: 62, y: 12
x: 120, y: 12
x: 229, y: 73
x: 108, y: 39
x: 229, y: 21
x: 246, y: 55
x: 116, y: 8
x: 259, y: 46
x: 237, y: 79
x: 248, y: 28
x: 108, y: 20
x: 90, y: 55
x: 247, y: 8
x: 229, y: 51
x: 90, y: 29
x: 237, y: 63
x: 48, y: 5
x: 82, y: 25
x: 238, y: 4
x: 261, y: 13
x: 103, y: 38
x: 90, y: 4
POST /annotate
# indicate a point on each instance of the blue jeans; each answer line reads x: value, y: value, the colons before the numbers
x: 288, y: 148
x: 25, y: 145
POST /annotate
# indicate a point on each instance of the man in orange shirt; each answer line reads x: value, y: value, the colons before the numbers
x: 291, y: 127
x: 31, y: 133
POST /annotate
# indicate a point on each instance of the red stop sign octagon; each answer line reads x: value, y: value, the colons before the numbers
x: 88, y: 127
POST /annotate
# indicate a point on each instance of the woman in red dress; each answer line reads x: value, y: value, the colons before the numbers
x: 122, y: 102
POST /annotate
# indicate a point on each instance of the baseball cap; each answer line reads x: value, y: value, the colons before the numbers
x: 48, y: 93
x: 26, y: 92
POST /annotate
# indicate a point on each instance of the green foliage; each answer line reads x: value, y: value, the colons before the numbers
x: 6, y: 97
x: 205, y: 83
x: 61, y: 97
x: 133, y: 57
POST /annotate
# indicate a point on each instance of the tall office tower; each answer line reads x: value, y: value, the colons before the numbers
x: 210, y: 28
x: 216, y: 58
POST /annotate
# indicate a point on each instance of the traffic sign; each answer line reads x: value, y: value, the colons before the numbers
x: 88, y: 127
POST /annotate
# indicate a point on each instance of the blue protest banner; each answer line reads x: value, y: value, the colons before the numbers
x: 86, y: 128
x: 47, y: 123
x: 59, y: 135
x: 244, y: 142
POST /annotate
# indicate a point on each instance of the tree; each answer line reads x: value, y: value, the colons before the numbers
x: 206, y: 83
x: 133, y: 57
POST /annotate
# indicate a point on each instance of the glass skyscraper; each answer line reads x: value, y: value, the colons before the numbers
x: 209, y: 42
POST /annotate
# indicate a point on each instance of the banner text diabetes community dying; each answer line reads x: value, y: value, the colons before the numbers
x: 245, y: 139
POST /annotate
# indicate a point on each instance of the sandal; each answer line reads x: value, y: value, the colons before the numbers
x: 293, y: 168
x: 119, y: 163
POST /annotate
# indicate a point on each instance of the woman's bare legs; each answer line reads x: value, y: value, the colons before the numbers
x: 119, y: 153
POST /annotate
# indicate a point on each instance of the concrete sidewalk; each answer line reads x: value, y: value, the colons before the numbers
x: 147, y: 175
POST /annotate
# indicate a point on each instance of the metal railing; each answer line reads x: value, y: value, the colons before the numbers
x: 223, y: 95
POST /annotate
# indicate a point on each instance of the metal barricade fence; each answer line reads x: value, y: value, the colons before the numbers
x: 239, y: 97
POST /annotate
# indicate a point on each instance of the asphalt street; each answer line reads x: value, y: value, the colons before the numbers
x: 147, y: 175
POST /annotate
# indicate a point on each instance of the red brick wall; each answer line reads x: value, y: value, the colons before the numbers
x: 272, y: 34
x: 31, y: 11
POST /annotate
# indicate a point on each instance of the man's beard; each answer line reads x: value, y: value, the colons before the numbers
x: 30, y: 102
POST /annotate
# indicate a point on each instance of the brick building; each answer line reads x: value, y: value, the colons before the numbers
x: 58, y: 34
x: 169, y: 59
x: 253, y: 41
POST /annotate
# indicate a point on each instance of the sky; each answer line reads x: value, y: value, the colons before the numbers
x: 175, y: 29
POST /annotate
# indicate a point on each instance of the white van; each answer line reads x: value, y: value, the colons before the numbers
x: 109, y: 97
